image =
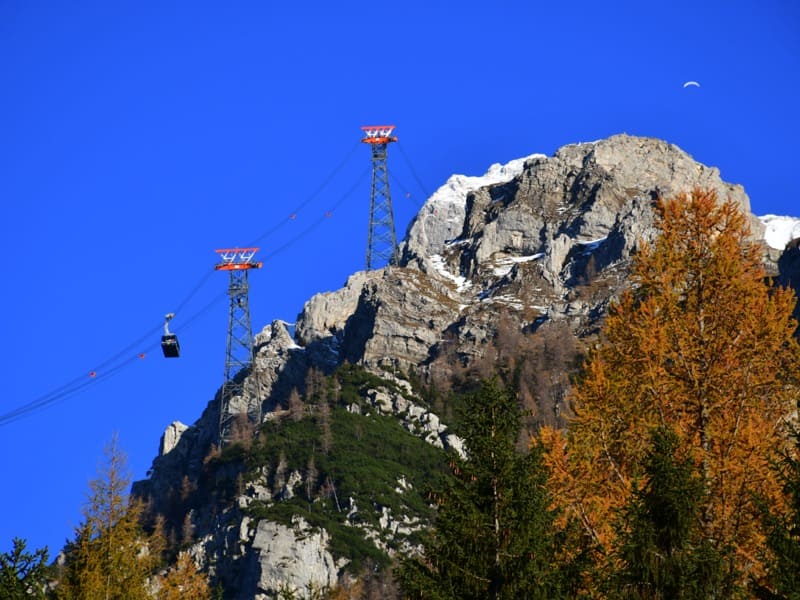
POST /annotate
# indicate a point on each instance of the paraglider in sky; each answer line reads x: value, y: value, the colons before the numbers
x: 691, y: 83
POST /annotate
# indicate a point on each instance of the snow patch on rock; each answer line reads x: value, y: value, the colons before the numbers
x: 780, y: 230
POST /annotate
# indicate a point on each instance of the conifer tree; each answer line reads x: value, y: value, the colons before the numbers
x: 111, y: 556
x: 493, y: 535
x: 782, y: 580
x: 700, y: 345
x: 184, y: 582
x: 662, y: 554
x: 23, y: 575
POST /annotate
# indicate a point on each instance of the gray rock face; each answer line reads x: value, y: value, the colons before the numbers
x: 327, y: 313
x: 580, y: 193
x: 442, y: 216
x: 293, y: 560
x: 171, y: 437
x: 280, y: 361
x: 397, y: 320
x: 517, y: 239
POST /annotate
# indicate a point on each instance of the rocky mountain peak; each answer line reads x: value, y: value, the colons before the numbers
x: 540, y: 244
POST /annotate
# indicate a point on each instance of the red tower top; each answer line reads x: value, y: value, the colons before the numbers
x: 237, y: 259
x: 378, y: 134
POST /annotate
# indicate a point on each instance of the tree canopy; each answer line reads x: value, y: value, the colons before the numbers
x: 493, y: 536
x: 23, y: 575
x: 111, y: 556
x: 702, y: 346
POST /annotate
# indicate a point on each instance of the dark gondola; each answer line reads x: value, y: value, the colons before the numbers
x: 169, y: 341
x: 170, y: 346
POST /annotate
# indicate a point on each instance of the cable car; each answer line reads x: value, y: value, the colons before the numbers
x: 169, y: 341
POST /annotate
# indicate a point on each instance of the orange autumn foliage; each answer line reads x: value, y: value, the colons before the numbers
x: 703, y: 346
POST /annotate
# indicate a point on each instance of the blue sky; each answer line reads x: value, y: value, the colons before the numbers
x: 138, y: 137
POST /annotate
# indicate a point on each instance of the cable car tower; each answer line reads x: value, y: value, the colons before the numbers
x: 239, y: 355
x: 381, y: 239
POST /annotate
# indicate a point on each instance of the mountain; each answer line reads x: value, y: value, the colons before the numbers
x: 513, y: 271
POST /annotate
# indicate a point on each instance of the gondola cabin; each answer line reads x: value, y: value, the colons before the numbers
x: 169, y: 341
x: 170, y: 346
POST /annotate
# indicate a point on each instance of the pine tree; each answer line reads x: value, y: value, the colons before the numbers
x: 493, y: 535
x: 111, y: 556
x: 23, y: 575
x: 700, y: 345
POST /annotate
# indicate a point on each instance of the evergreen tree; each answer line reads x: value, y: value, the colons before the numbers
x: 111, y: 556
x: 662, y: 555
x: 493, y: 535
x: 782, y: 581
x: 23, y: 575
x: 702, y: 346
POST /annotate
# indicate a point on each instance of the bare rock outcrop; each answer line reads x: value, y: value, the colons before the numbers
x: 171, y: 436
x: 292, y: 560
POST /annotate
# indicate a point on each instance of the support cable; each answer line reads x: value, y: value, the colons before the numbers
x: 413, y: 171
x: 104, y: 371
x: 304, y: 203
x: 322, y: 218
x: 100, y: 372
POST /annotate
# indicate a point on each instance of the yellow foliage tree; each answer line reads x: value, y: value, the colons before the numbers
x: 111, y: 556
x: 700, y: 345
x: 184, y: 582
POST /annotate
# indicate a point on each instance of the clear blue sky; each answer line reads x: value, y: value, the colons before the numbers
x: 138, y: 137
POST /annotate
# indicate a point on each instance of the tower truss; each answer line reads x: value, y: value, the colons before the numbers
x: 381, y: 238
x: 235, y: 400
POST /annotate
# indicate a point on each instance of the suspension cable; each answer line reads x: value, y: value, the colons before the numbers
x: 108, y: 368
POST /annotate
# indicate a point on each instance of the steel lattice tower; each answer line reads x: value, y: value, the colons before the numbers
x: 239, y: 353
x: 381, y: 239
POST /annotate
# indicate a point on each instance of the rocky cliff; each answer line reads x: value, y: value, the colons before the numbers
x: 528, y: 255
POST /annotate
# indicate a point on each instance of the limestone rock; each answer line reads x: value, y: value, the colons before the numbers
x: 442, y: 216
x: 171, y: 436
x: 328, y: 312
x: 293, y: 559
x: 397, y: 319
x: 280, y: 361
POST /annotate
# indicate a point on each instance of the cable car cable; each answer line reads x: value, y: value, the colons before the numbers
x: 403, y: 188
x: 81, y: 382
x: 100, y: 372
x: 413, y: 171
x: 50, y: 399
x: 320, y: 219
x: 313, y: 195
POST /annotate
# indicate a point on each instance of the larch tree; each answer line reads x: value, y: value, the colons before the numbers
x: 700, y: 345
x: 111, y: 556
x: 183, y: 581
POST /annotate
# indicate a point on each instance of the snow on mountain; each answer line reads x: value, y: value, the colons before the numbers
x: 456, y: 188
x: 442, y: 216
x: 780, y: 230
x: 461, y: 282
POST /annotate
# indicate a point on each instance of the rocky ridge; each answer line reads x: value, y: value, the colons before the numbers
x: 540, y: 241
